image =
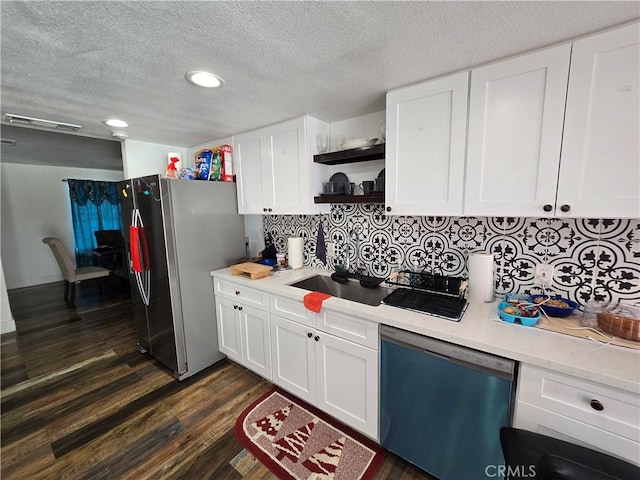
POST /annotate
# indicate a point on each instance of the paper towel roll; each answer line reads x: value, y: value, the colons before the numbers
x: 481, y: 277
x: 296, y: 252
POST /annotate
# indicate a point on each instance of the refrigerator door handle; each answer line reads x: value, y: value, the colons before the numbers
x: 135, y: 249
x: 146, y: 262
x: 136, y: 235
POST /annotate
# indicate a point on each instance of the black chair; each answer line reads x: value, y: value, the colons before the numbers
x: 530, y: 455
x: 108, y: 238
x: 110, y: 249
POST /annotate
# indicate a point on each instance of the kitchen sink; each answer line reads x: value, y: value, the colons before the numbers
x: 352, y: 290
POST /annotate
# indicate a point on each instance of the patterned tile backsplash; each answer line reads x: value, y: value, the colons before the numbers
x: 594, y: 259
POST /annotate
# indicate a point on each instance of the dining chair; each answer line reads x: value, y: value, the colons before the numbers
x: 70, y: 274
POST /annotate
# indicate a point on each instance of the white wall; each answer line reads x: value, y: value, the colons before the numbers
x: 35, y: 204
x: 7, y: 323
x: 143, y: 158
x: 366, y: 126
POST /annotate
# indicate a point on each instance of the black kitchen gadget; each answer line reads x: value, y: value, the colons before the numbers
x: 449, y: 307
x: 442, y: 284
x: 438, y: 295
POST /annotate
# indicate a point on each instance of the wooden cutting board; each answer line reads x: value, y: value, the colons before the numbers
x: 255, y: 270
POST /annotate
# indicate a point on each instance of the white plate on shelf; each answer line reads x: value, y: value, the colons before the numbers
x: 359, y: 143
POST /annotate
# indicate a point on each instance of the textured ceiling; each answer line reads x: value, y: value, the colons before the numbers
x: 83, y: 62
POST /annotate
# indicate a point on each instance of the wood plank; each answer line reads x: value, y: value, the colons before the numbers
x: 117, y: 465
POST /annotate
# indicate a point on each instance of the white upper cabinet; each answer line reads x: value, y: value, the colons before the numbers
x: 275, y: 169
x: 600, y: 164
x: 424, y: 165
x: 516, y: 114
x: 250, y: 154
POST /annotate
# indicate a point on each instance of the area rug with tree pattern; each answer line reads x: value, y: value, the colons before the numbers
x: 297, y: 441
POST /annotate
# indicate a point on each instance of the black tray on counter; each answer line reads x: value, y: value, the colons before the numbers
x: 449, y: 307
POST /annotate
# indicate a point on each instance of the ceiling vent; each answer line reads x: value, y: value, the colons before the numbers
x: 5, y: 142
x: 39, y: 122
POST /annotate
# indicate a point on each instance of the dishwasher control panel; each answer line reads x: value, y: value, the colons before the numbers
x: 449, y: 351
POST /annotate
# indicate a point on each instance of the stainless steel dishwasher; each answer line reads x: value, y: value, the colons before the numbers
x: 442, y: 405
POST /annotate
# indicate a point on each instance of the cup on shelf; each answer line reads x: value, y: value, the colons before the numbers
x: 367, y: 186
x: 338, y: 142
x: 322, y: 142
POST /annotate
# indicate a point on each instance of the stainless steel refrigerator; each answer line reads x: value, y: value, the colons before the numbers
x: 178, y: 231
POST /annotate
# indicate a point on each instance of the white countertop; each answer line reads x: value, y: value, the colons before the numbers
x: 479, y: 329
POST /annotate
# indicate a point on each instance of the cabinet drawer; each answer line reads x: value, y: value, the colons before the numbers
x: 598, y: 405
x: 535, y: 419
x: 348, y: 327
x: 241, y: 293
x: 292, y: 310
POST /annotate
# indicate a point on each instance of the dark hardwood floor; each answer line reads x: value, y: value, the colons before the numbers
x: 79, y: 401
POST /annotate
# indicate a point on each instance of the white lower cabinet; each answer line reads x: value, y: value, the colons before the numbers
x: 336, y: 375
x: 293, y: 357
x: 329, y: 359
x: 229, y: 336
x: 578, y: 411
x: 243, y: 335
x: 242, y: 318
x: 347, y: 376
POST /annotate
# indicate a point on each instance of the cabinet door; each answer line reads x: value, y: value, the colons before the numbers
x: 426, y: 132
x: 286, y: 178
x: 256, y: 343
x: 293, y: 358
x: 516, y: 113
x: 229, y: 331
x: 250, y: 153
x: 348, y: 382
x: 600, y: 167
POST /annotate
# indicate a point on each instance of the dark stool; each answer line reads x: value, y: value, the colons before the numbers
x: 530, y: 455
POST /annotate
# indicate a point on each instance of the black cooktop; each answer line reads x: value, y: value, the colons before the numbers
x: 449, y: 307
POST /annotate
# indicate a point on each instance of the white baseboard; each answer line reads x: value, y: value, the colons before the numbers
x: 7, y: 326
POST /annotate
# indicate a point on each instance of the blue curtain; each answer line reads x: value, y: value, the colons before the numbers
x: 94, y: 206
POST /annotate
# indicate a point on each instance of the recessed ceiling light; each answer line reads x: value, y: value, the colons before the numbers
x: 114, y: 122
x: 204, y: 79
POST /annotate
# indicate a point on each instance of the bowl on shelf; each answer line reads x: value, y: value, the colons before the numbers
x: 555, y: 306
x: 509, y: 313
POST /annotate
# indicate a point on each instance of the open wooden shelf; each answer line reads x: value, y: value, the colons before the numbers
x: 368, y: 198
x: 354, y: 155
